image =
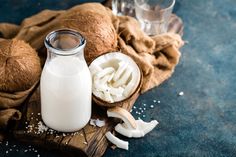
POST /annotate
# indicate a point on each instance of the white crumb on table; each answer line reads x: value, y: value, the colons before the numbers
x: 181, y: 93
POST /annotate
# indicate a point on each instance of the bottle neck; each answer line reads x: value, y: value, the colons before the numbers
x: 65, y: 43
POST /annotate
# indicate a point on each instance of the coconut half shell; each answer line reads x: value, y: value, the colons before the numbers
x: 127, y: 100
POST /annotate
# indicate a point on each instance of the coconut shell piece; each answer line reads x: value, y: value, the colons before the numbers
x: 123, y: 114
x: 116, y: 141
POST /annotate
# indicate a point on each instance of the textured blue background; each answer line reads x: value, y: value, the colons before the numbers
x: 203, y: 121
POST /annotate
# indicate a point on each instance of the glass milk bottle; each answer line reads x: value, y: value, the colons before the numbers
x: 66, y: 84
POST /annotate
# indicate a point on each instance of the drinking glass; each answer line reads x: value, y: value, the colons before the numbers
x: 123, y: 7
x: 154, y: 15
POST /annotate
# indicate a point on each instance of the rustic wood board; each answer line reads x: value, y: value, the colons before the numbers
x: 89, y: 141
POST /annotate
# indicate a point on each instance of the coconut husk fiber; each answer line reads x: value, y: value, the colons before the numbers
x: 157, y: 56
x: 19, y: 70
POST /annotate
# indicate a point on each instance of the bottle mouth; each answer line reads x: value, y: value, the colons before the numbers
x: 165, y: 5
x: 64, y: 42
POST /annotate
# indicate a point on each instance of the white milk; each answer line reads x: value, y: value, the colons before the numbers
x: 66, y: 93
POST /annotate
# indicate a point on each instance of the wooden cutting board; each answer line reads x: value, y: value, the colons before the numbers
x: 89, y: 141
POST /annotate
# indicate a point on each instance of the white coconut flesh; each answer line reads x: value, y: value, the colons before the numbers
x: 115, y: 76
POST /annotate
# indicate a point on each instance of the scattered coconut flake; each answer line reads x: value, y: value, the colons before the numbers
x: 158, y: 101
x: 181, y: 93
x: 113, y: 147
x: 97, y: 122
x: 41, y: 127
x: 100, y: 123
x: 92, y: 122
x: 15, y: 148
x: 151, y: 106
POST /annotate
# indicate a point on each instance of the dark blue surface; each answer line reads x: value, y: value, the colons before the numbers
x: 203, y: 121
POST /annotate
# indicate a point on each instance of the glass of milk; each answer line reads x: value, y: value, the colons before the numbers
x: 65, y: 85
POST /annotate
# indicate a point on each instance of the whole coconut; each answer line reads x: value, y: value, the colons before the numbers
x: 94, y: 22
x: 19, y: 66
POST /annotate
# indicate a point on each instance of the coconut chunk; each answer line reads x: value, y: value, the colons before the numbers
x: 121, y: 69
x: 97, y: 122
x: 98, y: 93
x: 116, y: 141
x: 104, y: 72
x: 116, y: 91
x: 124, y: 78
x: 142, y: 128
x: 100, y: 123
x: 92, y: 122
x: 111, y: 77
x: 130, y: 86
x: 98, y: 86
x: 94, y: 69
x: 118, y: 98
x: 105, y: 79
x: 108, y: 97
x: 123, y: 114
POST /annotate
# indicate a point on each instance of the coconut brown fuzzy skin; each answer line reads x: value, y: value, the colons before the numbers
x: 19, y: 66
x: 93, y: 21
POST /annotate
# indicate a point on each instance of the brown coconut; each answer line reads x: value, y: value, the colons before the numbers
x: 94, y: 22
x: 19, y: 66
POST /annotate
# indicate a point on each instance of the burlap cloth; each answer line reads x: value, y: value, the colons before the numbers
x: 157, y: 56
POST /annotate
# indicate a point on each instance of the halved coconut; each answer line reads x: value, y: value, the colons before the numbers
x: 116, y: 79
